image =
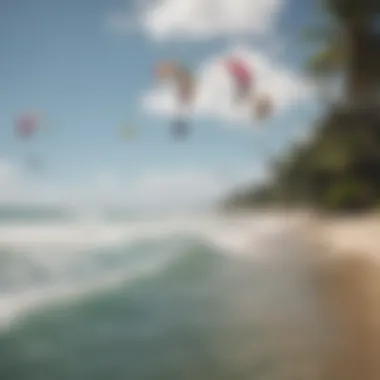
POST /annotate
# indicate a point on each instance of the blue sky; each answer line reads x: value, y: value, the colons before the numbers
x: 89, y: 76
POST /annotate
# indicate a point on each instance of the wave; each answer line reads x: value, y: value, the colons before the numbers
x: 51, y: 264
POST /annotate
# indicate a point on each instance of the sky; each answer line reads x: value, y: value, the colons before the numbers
x: 87, y: 67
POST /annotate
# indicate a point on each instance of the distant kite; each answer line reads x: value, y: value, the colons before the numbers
x: 185, y: 87
x: 180, y: 76
x: 27, y: 124
x: 180, y: 129
x: 242, y: 76
x: 263, y: 107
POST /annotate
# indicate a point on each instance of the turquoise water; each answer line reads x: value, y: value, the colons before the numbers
x: 51, y: 214
x: 177, y: 308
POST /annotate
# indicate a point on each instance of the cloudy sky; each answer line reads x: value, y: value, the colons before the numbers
x: 87, y: 67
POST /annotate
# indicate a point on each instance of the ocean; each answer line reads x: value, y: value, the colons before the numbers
x: 200, y: 298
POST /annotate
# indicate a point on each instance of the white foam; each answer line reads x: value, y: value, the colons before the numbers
x: 88, y: 236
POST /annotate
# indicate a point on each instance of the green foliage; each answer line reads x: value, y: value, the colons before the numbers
x: 352, y: 11
x: 339, y: 170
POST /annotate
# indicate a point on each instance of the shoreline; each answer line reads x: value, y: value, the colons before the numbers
x: 235, y: 228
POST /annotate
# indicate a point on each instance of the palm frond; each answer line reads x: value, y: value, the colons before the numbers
x: 328, y: 60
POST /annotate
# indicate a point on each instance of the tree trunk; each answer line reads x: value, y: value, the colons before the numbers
x: 361, y: 81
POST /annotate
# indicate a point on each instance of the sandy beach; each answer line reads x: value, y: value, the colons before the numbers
x: 350, y: 288
x: 360, y: 235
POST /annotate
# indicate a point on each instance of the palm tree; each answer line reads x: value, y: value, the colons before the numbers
x: 351, y: 47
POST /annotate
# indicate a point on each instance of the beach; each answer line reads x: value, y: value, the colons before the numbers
x: 353, y: 234
x: 348, y: 273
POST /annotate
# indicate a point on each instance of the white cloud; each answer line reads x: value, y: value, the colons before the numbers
x: 158, y: 189
x: 199, y: 19
x: 187, y: 188
x: 215, y: 88
x: 174, y: 188
x: 9, y: 175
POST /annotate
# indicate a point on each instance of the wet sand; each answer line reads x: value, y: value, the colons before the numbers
x: 349, y: 282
